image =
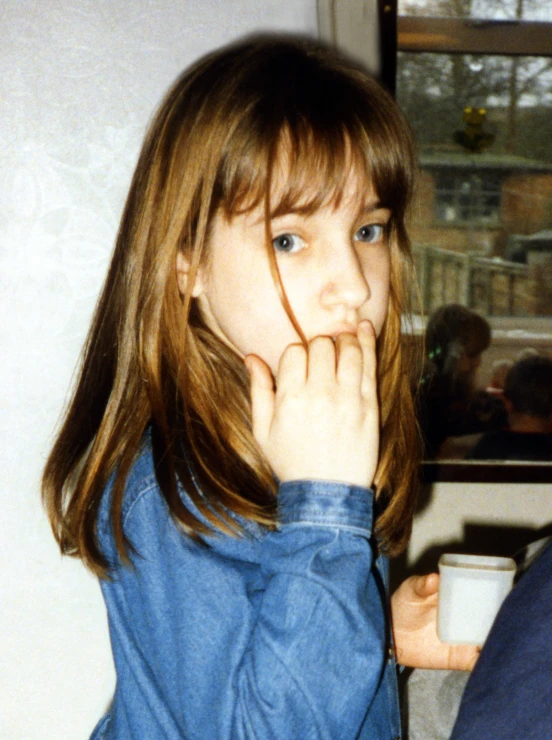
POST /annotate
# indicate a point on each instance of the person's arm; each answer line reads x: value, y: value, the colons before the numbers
x: 209, y: 644
x: 318, y: 650
x: 508, y: 695
x: 414, y: 619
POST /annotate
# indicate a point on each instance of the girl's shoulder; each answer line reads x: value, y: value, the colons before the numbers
x: 140, y: 481
x: 140, y: 486
x: 150, y: 528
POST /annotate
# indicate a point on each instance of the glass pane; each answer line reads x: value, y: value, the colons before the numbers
x: 482, y: 236
x: 482, y: 225
x: 530, y: 10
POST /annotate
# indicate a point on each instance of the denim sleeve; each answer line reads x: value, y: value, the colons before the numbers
x: 281, y: 636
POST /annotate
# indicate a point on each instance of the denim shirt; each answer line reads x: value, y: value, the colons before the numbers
x: 278, y: 634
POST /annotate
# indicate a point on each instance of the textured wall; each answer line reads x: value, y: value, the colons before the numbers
x: 80, y: 79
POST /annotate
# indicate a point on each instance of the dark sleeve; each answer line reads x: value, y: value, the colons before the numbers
x: 509, y: 694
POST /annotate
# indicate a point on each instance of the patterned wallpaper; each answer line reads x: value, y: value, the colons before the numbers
x: 80, y: 79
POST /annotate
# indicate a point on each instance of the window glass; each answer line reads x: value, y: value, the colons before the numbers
x: 534, y: 10
x: 478, y: 94
x: 482, y: 222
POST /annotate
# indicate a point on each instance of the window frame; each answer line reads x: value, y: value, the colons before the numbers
x: 440, y: 35
x: 473, y: 36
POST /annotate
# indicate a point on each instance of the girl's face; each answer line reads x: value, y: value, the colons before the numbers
x: 334, y: 265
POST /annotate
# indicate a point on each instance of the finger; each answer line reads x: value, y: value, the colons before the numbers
x: 321, y: 361
x: 292, y: 368
x: 349, y: 360
x: 262, y: 396
x: 425, y: 586
x: 367, y: 340
x: 417, y: 588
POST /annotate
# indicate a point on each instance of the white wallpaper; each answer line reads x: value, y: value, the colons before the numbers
x: 80, y: 79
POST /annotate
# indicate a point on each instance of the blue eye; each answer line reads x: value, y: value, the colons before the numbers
x: 370, y: 233
x: 288, y: 243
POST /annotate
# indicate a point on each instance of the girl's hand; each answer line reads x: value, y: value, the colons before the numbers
x: 322, y: 421
x: 414, y: 618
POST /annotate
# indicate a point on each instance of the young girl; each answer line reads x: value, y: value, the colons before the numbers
x: 233, y: 464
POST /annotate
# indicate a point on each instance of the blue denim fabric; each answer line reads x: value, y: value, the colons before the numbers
x: 280, y: 635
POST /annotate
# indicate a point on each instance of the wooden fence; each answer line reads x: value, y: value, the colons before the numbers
x: 492, y: 287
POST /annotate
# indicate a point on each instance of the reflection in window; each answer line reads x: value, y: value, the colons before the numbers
x: 474, y: 78
x: 536, y: 10
x: 482, y: 223
x: 472, y: 197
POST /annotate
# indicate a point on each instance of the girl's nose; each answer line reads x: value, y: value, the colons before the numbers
x: 345, y: 283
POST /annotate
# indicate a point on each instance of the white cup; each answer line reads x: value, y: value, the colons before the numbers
x: 471, y: 591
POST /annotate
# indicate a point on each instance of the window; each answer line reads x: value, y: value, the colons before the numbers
x: 466, y: 198
x: 474, y: 78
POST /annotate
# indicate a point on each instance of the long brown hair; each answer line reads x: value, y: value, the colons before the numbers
x: 150, y: 359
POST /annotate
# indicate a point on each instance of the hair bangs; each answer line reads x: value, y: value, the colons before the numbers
x: 390, y: 155
x: 302, y: 169
x: 243, y: 177
x: 298, y: 123
x: 313, y: 169
x: 305, y: 169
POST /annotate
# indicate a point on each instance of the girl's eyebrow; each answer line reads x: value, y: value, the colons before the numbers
x: 374, y: 206
x: 281, y: 212
x: 306, y: 210
x: 291, y: 210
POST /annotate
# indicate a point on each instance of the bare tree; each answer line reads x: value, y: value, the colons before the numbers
x: 434, y: 88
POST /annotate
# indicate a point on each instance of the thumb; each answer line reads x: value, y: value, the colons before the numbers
x: 262, y: 396
x: 425, y: 586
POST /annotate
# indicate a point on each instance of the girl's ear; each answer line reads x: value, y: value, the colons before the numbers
x: 182, y: 273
